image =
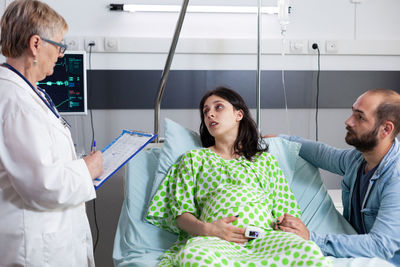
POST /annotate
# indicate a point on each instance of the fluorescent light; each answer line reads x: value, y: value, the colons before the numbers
x: 193, y: 9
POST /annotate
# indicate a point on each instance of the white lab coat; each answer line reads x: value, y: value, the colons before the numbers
x: 43, y: 186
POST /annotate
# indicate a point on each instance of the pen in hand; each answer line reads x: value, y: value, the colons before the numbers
x: 94, y: 162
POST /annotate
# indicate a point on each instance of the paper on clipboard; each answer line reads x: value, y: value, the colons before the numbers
x: 120, y: 151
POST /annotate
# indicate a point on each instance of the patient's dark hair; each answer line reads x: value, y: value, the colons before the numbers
x: 249, y: 141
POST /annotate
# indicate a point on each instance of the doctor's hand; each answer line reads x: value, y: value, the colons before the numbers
x: 270, y: 135
x: 94, y: 163
x: 223, y: 229
x: 291, y: 224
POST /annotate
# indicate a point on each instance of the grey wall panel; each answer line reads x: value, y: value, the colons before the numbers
x: 122, y: 89
x: 339, y: 86
x: 137, y: 89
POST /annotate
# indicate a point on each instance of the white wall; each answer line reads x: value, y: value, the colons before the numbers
x: 310, y: 21
x: 349, y: 24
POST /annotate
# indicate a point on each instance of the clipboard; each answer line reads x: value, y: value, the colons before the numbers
x: 120, y: 151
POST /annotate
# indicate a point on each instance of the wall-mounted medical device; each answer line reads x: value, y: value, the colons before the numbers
x: 67, y: 86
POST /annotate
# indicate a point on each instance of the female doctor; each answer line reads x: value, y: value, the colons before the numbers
x: 43, y: 186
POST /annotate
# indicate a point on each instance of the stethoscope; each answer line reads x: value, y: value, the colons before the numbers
x: 47, y: 100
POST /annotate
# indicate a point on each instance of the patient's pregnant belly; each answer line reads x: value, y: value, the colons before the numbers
x: 253, y: 206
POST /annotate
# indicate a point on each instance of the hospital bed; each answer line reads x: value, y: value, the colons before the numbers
x: 138, y: 243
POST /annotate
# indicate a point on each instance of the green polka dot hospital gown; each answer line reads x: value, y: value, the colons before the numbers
x: 209, y: 187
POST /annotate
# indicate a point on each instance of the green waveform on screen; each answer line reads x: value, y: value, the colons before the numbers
x: 71, y: 102
x: 57, y: 83
x: 57, y: 106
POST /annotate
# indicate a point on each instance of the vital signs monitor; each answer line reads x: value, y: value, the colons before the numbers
x: 67, y: 85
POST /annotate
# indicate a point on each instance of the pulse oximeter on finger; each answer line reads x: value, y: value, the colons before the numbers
x: 254, y: 232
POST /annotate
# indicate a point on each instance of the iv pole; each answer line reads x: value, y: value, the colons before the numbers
x: 171, y: 53
x: 167, y: 68
x: 258, y: 85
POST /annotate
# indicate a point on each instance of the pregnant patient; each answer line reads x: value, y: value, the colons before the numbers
x: 211, y: 195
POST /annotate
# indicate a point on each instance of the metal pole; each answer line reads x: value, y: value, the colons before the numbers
x: 167, y: 68
x: 259, y: 66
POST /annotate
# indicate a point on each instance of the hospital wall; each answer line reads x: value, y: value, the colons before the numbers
x: 367, y: 32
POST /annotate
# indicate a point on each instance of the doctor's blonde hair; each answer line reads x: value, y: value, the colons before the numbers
x: 24, y: 18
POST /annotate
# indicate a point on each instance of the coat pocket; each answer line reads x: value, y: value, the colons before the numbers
x: 369, y: 217
x: 58, y: 249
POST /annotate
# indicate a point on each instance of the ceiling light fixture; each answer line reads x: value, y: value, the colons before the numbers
x: 192, y: 9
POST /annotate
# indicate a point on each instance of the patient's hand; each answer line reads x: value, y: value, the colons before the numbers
x: 291, y: 224
x: 223, y: 229
x: 270, y: 135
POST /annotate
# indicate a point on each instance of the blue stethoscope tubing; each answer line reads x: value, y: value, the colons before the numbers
x: 46, y: 102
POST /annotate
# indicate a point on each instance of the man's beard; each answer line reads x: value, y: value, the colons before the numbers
x: 365, y: 142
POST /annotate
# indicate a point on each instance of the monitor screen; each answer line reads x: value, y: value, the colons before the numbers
x: 67, y: 85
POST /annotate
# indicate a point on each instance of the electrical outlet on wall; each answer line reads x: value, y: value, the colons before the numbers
x: 72, y: 43
x: 111, y: 44
x: 297, y: 46
x: 93, y: 40
x: 320, y: 44
x: 331, y: 47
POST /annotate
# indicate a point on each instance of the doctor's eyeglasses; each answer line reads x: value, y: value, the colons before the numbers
x: 62, y: 47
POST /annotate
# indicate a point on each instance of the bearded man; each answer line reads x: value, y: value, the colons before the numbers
x: 371, y: 180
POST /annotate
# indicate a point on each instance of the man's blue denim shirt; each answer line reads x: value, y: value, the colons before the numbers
x: 380, y: 211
